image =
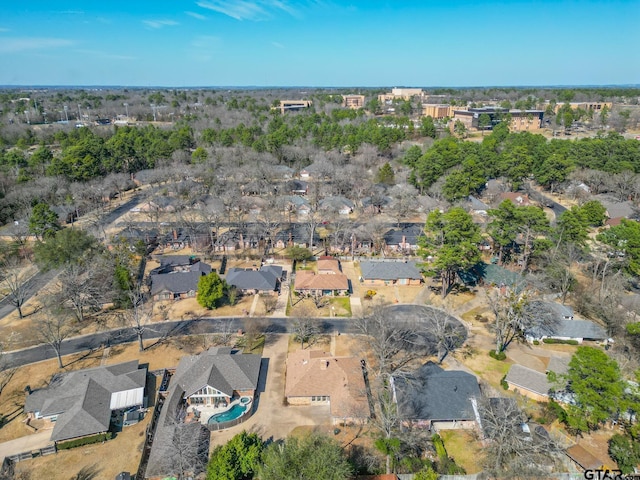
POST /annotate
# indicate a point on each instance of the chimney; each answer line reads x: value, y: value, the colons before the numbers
x: 28, y: 389
x: 175, y: 234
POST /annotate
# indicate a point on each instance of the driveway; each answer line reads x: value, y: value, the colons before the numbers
x: 28, y: 443
x: 272, y: 420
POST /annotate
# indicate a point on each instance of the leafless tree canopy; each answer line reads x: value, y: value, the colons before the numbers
x: 510, y: 451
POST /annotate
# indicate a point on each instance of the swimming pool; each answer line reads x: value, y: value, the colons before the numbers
x: 234, y: 412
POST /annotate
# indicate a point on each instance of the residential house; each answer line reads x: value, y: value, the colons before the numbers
x: 435, y: 398
x: 310, y: 283
x: 556, y: 321
x: 585, y: 459
x: 317, y: 378
x: 296, y: 234
x: 534, y: 384
x: 337, y: 204
x: 390, y: 273
x: 329, y: 279
x: 217, y: 377
x: 403, y: 240
x: 265, y: 280
x: 296, y: 187
x: 476, y: 206
x: 297, y: 205
x: 177, y: 277
x: 519, y: 199
x: 85, y: 402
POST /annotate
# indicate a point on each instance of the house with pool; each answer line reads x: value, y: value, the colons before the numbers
x: 217, y: 379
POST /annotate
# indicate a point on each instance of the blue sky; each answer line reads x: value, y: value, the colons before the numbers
x: 319, y: 43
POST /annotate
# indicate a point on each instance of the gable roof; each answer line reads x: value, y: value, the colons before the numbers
x: 175, y: 282
x: 328, y: 264
x: 265, y: 279
x: 389, y: 270
x: 313, y: 372
x: 431, y: 393
x: 476, y: 204
x: 528, y: 379
x: 584, y: 458
x: 83, y: 399
x: 550, y: 323
x: 409, y: 234
x: 219, y: 368
x: 307, y: 280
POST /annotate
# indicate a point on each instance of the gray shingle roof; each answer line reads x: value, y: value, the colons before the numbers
x: 265, y: 279
x: 528, y: 379
x: 389, y: 270
x: 219, y: 368
x: 432, y: 393
x: 82, y: 399
x: 175, y: 282
x: 409, y: 234
x: 562, y: 328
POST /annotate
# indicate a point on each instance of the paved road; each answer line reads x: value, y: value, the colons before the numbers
x: 165, y: 330
x: 397, y: 313
x: 34, y: 284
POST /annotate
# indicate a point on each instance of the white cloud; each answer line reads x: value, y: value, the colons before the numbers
x: 277, y: 44
x: 20, y: 44
x: 196, y: 15
x: 248, y: 10
x: 159, y: 23
x: 204, y: 48
x: 107, y: 55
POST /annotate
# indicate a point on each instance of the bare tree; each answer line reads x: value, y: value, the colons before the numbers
x: 510, y: 451
x: 305, y: 329
x: 270, y: 302
x: 392, y: 345
x: 184, y: 447
x: 6, y: 372
x: 139, y: 316
x: 55, y: 325
x: 17, y: 284
x: 512, y: 316
x: 81, y: 289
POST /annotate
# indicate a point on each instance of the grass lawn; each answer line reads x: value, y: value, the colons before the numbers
x: 341, y: 306
x: 464, y: 448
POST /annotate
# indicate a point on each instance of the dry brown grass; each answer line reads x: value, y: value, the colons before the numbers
x: 464, y: 448
x: 110, y: 458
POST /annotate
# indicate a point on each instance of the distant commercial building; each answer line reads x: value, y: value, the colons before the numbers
x: 595, y: 106
x: 353, y: 101
x: 400, y: 93
x: 519, y: 120
x: 439, y: 111
x: 294, y: 105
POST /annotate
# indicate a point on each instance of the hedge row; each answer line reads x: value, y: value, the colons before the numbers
x: 79, y: 442
x: 556, y: 340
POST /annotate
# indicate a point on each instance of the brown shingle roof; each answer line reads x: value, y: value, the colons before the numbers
x: 306, y: 280
x: 311, y: 373
x: 328, y: 265
x: 584, y: 458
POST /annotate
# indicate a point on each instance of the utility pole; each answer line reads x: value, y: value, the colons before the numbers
x: 126, y: 108
x: 153, y: 107
x: 66, y: 117
x: 79, y: 114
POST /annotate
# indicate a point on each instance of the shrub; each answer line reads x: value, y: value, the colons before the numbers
x: 438, y: 444
x: 558, y: 341
x: 503, y: 382
x: 80, y: 442
x: 536, y: 342
x: 497, y: 356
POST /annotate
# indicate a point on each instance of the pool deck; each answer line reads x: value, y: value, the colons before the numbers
x: 206, y: 411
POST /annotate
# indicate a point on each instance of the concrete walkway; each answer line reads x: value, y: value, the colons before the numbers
x: 272, y: 420
x: 353, y: 274
x: 252, y: 310
x: 283, y: 298
x: 28, y: 443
